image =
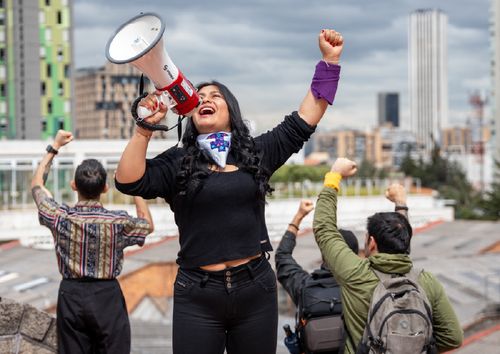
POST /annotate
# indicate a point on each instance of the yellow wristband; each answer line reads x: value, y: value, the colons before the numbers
x: 332, y: 180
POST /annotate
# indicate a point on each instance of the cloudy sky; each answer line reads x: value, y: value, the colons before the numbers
x: 265, y: 51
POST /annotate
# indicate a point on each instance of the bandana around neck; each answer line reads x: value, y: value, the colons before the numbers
x: 217, y: 145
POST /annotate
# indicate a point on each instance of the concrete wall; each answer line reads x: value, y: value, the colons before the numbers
x: 24, y: 329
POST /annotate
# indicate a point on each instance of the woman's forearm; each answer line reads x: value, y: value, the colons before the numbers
x: 132, y: 163
x: 311, y: 109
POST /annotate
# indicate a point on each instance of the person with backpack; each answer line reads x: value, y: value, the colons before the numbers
x: 312, y: 293
x: 388, y: 305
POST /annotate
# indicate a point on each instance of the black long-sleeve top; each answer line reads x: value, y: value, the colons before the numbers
x: 224, y: 220
x: 289, y: 273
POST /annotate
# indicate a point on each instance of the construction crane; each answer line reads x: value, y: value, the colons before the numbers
x: 478, y: 103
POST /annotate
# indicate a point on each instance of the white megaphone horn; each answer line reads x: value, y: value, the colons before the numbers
x: 139, y: 42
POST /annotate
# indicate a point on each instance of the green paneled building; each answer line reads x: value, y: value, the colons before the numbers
x: 36, y: 58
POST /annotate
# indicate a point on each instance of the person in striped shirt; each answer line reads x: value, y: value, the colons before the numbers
x: 89, y: 242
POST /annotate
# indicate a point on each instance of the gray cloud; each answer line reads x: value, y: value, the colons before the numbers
x: 266, y: 51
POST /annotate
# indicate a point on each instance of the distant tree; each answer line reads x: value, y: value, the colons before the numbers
x: 408, y: 165
x: 366, y: 169
x: 491, y: 202
x: 299, y: 173
x: 449, y: 179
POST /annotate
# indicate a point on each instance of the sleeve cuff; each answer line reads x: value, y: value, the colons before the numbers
x: 332, y: 180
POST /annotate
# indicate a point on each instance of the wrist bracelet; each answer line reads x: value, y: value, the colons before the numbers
x: 295, y: 226
x: 401, y: 207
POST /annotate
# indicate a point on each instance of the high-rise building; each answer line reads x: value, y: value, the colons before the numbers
x: 428, y: 75
x: 35, y: 68
x: 388, y: 108
x: 495, y: 69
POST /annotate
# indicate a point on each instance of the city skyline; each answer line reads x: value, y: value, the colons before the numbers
x: 266, y: 52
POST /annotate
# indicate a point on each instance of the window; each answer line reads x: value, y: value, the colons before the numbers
x: 59, y: 17
x: 61, y: 89
x: 2, y: 90
x: 49, y: 70
x: 42, y: 52
x: 2, y: 54
x: 60, y: 123
x: 67, y: 70
x: 49, y: 107
x: 60, y: 54
x: 41, y: 17
x: 48, y: 34
x: 47, y: 2
x: 43, y: 88
x: 44, y: 125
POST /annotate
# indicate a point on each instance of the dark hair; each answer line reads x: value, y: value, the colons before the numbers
x: 392, y: 232
x: 90, y: 179
x: 350, y: 239
x: 194, y: 165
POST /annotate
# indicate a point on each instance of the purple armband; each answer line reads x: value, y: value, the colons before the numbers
x: 325, y: 81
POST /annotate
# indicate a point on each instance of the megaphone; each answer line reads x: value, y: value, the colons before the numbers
x: 139, y: 42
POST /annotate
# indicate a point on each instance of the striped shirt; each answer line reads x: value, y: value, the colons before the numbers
x: 89, y: 239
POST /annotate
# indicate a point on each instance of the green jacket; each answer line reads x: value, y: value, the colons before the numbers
x: 358, y: 281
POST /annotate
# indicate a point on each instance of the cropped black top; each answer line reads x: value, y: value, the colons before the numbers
x: 225, y: 219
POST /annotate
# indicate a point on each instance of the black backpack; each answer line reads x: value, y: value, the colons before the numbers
x: 320, y: 325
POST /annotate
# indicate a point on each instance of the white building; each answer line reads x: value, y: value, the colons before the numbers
x: 428, y: 74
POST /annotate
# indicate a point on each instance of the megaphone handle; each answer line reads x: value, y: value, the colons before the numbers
x: 164, y: 98
x: 140, y: 120
x: 143, y: 112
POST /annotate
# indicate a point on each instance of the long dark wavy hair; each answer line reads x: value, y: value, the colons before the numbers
x: 194, y: 165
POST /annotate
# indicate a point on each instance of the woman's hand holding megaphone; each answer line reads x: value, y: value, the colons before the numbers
x: 152, y: 108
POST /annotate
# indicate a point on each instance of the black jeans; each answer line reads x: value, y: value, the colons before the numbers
x: 234, y: 309
x: 92, y: 317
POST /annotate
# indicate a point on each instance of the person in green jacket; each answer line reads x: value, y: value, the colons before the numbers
x: 384, y: 253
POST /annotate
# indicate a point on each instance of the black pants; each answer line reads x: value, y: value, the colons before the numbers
x: 92, y: 317
x: 235, y: 309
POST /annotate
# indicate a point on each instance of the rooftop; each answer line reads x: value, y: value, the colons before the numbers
x: 453, y: 251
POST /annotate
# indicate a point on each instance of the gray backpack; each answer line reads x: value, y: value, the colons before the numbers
x: 399, y: 318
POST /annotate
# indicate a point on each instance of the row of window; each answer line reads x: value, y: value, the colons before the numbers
x: 43, y: 88
x: 48, y: 35
x: 48, y: 70
x: 59, y: 17
x: 59, y: 124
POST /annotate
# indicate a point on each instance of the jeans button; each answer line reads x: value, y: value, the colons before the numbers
x: 228, y: 279
x: 228, y: 273
x: 229, y: 285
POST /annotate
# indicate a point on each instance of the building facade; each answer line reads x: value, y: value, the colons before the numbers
x: 388, y: 108
x: 103, y: 97
x: 35, y: 68
x: 428, y: 75
x: 353, y: 144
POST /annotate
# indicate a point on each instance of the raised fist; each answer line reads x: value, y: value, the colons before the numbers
x: 62, y: 138
x: 344, y: 166
x: 331, y: 44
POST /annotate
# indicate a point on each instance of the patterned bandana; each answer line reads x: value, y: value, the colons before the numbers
x: 217, y: 145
